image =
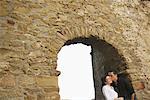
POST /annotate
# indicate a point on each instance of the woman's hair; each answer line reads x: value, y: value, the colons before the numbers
x: 103, y: 79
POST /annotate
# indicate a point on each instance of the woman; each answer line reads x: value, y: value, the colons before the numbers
x: 108, y: 91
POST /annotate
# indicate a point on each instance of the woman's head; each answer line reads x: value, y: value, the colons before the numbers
x: 107, y: 80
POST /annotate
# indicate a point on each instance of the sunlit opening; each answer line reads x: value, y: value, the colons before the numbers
x: 76, y: 78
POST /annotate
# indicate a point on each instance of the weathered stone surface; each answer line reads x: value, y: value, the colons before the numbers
x: 52, y: 96
x: 33, y: 31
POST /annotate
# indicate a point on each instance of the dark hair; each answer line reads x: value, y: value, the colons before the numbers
x: 103, y: 79
x: 114, y: 71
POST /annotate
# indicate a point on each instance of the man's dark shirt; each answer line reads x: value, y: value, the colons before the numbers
x: 124, y: 88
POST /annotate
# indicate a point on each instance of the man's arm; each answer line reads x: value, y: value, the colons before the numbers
x: 130, y: 88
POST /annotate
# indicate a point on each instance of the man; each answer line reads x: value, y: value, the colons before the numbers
x: 123, y: 86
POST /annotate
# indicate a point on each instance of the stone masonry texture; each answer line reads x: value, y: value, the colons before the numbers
x: 33, y: 31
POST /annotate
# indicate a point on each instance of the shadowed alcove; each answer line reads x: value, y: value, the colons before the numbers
x: 104, y: 58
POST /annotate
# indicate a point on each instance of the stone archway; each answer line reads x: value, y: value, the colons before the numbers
x: 82, y: 33
x: 104, y: 58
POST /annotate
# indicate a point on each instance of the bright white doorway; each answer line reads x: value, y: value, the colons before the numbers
x: 76, y: 78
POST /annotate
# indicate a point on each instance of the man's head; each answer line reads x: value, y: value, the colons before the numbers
x: 113, y: 75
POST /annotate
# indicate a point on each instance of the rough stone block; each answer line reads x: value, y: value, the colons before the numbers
x: 138, y: 85
x: 31, y: 97
x: 25, y: 80
x: 47, y: 81
x: 51, y: 89
x: 8, y: 80
x: 11, y: 98
x: 3, y: 9
x: 52, y: 96
x: 22, y: 10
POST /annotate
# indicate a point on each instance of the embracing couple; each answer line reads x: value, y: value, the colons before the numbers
x: 117, y: 87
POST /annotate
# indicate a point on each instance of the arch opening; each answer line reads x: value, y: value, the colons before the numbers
x: 76, y: 79
x: 104, y: 58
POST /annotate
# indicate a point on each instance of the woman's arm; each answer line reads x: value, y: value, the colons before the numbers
x: 120, y: 98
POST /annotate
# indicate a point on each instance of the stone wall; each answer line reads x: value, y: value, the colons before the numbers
x: 33, y: 31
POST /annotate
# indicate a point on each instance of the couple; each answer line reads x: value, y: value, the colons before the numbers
x: 117, y: 88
